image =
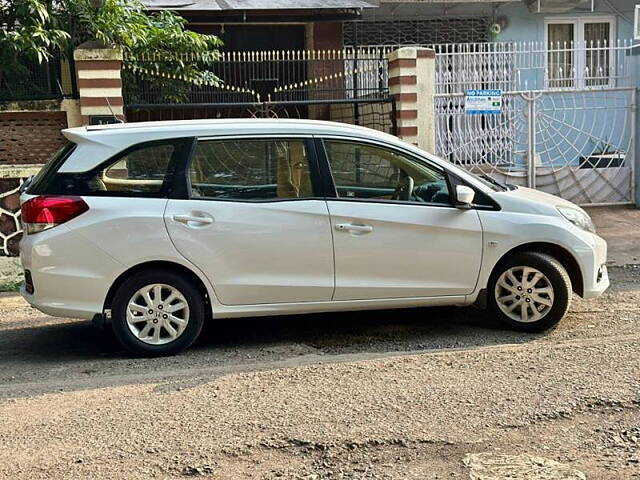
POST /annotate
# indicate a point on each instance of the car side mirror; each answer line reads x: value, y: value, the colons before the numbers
x: 464, y: 196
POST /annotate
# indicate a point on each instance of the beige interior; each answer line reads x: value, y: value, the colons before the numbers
x: 294, y: 180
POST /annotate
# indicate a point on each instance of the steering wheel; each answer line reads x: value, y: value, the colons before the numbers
x: 404, y: 190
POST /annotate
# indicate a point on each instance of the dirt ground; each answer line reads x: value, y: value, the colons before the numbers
x: 423, y: 393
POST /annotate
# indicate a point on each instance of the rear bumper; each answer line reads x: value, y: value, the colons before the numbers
x: 70, y: 275
x: 56, y: 309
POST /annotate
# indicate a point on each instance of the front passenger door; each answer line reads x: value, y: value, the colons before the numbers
x: 396, y: 232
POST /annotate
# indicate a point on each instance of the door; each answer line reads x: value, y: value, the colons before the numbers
x: 396, y: 231
x: 252, y: 223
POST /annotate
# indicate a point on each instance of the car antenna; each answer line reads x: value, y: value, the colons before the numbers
x: 119, y: 120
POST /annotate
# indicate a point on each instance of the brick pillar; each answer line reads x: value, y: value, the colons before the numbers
x: 412, y: 85
x: 98, y: 68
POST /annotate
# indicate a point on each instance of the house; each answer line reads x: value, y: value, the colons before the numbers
x: 454, y: 21
x: 248, y: 25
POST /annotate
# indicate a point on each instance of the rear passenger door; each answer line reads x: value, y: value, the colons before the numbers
x: 254, y: 221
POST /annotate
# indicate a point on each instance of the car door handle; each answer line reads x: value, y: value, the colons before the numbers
x: 353, y: 227
x: 192, y: 218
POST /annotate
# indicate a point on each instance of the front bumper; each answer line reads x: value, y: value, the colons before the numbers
x: 598, y: 287
x: 596, y: 277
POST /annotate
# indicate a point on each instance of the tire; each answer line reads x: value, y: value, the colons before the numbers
x: 503, y: 292
x: 129, y: 321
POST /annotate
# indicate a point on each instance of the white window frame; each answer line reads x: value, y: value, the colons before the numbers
x: 580, y: 58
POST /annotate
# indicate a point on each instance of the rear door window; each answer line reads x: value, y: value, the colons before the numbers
x: 145, y: 170
x: 251, y: 170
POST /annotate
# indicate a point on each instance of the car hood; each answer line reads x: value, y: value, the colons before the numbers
x: 528, y: 200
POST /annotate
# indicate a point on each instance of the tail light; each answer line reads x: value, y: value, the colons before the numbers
x: 44, y: 212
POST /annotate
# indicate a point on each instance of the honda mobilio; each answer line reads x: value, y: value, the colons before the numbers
x: 159, y: 227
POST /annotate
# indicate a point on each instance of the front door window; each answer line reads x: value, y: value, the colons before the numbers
x: 362, y: 171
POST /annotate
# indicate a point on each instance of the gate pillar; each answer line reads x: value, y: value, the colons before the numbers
x: 412, y: 86
x: 99, y: 83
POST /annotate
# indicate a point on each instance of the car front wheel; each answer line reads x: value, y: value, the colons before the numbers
x: 529, y: 291
x: 157, y: 313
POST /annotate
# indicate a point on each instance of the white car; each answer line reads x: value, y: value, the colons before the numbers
x: 157, y: 227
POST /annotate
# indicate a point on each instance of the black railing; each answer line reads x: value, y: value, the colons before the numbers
x: 29, y: 80
x: 378, y: 114
x: 247, y: 77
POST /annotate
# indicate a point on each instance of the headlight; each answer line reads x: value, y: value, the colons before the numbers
x: 579, y: 218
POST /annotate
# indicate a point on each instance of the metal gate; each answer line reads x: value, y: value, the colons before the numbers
x: 348, y: 86
x: 570, y: 135
x: 378, y: 114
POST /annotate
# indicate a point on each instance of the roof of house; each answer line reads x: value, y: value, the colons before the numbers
x: 230, y: 5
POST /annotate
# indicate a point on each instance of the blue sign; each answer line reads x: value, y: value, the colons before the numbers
x: 483, y: 102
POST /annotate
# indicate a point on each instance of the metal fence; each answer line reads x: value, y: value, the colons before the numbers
x: 246, y: 77
x: 378, y: 114
x: 567, y: 124
x: 31, y: 80
x: 514, y: 66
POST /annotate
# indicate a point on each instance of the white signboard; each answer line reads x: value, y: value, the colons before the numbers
x: 480, y: 102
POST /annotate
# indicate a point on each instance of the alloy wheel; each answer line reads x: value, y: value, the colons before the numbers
x: 157, y: 314
x: 524, y: 294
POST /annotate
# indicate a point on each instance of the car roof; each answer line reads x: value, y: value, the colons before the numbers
x: 206, y: 127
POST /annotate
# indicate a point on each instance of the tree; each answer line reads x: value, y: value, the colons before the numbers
x: 37, y: 30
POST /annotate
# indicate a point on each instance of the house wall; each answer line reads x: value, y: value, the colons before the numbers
x: 523, y: 25
x: 327, y: 35
x: 29, y: 135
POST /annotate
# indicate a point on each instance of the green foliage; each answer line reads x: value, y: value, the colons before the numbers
x: 28, y: 29
x: 35, y: 30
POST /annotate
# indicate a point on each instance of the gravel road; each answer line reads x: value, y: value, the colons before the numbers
x: 423, y: 393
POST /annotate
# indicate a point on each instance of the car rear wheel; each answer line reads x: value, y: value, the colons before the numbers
x: 157, y: 313
x: 529, y: 291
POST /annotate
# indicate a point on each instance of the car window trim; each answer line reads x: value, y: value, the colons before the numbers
x: 316, y: 182
x: 331, y: 192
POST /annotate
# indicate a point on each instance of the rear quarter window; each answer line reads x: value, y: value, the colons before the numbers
x: 145, y: 170
x: 51, y: 167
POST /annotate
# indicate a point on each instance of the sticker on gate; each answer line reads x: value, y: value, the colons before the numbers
x: 480, y: 102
